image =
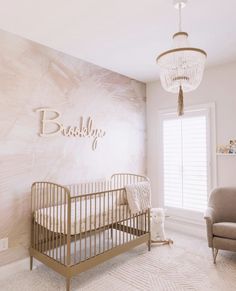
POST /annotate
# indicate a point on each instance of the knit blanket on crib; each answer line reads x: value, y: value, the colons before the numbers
x: 139, y: 196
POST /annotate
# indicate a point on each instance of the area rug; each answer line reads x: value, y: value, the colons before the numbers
x: 186, y: 265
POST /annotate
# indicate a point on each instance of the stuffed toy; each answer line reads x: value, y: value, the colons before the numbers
x: 157, y: 224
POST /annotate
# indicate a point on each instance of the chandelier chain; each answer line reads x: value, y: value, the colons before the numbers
x: 180, y: 17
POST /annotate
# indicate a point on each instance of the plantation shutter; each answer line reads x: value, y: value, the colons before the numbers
x: 185, y: 157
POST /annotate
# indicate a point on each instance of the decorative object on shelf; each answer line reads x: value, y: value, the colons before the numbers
x: 223, y: 149
x: 182, y: 67
x: 229, y: 149
x: 157, y: 226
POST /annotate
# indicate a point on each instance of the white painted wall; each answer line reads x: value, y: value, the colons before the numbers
x: 219, y: 86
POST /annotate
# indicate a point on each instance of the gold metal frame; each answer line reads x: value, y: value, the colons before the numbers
x: 180, y: 33
x: 70, y: 224
x: 181, y: 49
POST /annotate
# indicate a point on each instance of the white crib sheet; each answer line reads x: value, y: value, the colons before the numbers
x: 55, y: 218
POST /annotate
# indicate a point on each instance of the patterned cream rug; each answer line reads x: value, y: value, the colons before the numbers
x: 187, y: 265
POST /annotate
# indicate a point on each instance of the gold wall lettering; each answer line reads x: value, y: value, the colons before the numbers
x: 50, y: 125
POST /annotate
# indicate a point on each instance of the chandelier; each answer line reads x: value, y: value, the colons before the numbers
x: 182, y: 67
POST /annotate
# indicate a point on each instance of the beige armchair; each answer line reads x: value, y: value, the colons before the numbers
x: 220, y: 219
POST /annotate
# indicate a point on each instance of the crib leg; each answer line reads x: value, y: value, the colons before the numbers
x: 149, y: 245
x: 31, y: 263
x: 68, y: 284
x: 111, y: 229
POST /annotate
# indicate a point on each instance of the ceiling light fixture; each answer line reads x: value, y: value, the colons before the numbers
x: 181, y: 68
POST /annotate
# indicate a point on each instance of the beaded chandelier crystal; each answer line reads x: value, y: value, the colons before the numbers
x: 181, y: 68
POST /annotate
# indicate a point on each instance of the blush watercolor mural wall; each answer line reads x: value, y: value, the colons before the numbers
x: 33, y: 77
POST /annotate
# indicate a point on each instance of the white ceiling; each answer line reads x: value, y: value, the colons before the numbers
x: 123, y: 35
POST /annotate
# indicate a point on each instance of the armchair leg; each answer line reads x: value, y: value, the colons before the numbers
x: 214, y: 254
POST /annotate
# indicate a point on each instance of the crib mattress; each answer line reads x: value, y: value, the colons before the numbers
x: 85, y: 216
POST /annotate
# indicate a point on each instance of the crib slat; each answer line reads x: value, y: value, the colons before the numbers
x: 108, y: 216
x: 116, y: 214
x: 43, y: 218
x: 95, y: 226
x: 75, y: 230
x: 136, y: 228
x: 46, y: 217
x: 145, y: 222
x: 130, y: 225
x: 60, y: 223
x: 90, y: 223
x: 37, y: 225
x: 34, y: 210
x: 57, y: 222
x: 68, y: 230
x: 80, y: 228
x: 85, y: 248
x: 40, y: 219
x: 49, y: 218
x: 127, y: 222
x: 33, y: 217
x: 142, y: 223
x: 100, y: 208
x: 104, y: 225
x: 123, y: 211
x: 112, y: 219
x: 53, y: 220
x: 36, y: 214
x: 119, y: 218
x: 39, y: 228
x: 64, y: 233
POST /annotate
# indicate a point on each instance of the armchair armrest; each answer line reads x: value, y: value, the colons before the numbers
x: 209, y: 216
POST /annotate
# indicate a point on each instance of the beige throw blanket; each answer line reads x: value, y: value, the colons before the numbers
x: 139, y: 196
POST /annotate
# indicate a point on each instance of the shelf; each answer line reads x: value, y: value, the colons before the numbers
x: 219, y: 154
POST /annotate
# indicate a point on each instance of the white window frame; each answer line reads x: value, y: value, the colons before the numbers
x: 212, y: 167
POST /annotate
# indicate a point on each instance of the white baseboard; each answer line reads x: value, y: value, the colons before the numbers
x: 178, y: 224
x: 13, y: 268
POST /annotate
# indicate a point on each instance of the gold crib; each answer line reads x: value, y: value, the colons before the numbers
x: 78, y: 226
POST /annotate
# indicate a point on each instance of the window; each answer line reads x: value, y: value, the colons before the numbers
x: 186, y: 160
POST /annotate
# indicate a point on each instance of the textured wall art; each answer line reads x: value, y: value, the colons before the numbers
x: 33, y: 76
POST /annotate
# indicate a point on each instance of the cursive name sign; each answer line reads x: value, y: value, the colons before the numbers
x: 51, y: 125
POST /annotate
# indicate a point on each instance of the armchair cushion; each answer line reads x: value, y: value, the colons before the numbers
x: 210, y: 215
x: 225, y: 229
x: 223, y: 201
